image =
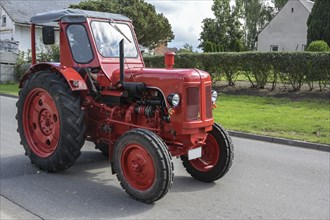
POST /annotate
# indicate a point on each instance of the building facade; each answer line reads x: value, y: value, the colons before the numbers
x: 288, y: 29
x: 15, y: 19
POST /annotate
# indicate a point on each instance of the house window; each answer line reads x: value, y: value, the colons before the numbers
x: 273, y: 48
x: 4, y: 20
x: 292, y: 10
x: 303, y: 47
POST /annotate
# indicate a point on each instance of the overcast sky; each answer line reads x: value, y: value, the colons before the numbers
x: 186, y: 18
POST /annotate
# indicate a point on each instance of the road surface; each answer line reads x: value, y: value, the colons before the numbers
x: 266, y: 181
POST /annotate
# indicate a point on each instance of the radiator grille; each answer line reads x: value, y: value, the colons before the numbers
x: 193, y: 104
x: 208, y: 92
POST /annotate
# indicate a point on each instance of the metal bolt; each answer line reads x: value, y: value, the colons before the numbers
x: 75, y: 83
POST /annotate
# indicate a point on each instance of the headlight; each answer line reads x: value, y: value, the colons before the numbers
x: 214, y: 95
x: 174, y: 99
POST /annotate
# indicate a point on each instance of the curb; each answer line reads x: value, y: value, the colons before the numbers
x: 294, y: 143
x: 302, y: 144
x: 8, y: 95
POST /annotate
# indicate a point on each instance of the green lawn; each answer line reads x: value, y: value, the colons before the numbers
x: 277, y: 117
x: 11, y: 89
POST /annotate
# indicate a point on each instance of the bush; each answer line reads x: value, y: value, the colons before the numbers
x: 44, y: 54
x: 295, y: 68
x: 20, y: 70
x: 22, y: 64
x: 318, y: 46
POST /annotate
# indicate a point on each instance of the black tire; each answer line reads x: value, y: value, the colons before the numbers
x: 155, y: 157
x: 68, y: 122
x: 222, y: 164
x: 103, y: 147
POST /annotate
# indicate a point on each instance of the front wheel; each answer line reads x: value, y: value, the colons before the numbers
x: 143, y: 165
x: 217, y: 157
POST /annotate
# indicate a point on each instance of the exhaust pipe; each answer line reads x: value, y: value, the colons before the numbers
x: 131, y: 87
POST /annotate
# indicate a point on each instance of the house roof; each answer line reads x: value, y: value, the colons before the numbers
x: 22, y: 11
x: 307, y: 4
x: 73, y: 15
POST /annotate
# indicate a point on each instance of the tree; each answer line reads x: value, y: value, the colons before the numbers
x: 279, y: 4
x: 256, y: 14
x: 152, y: 29
x: 187, y: 48
x: 221, y: 32
x: 318, y: 22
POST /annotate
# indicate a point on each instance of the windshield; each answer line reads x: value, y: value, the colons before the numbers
x: 107, y: 39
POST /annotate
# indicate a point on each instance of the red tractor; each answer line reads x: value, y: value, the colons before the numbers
x: 102, y: 92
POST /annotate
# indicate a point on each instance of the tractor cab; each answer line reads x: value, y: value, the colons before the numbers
x: 90, y: 39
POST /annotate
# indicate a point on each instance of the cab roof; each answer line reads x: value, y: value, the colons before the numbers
x: 74, y: 15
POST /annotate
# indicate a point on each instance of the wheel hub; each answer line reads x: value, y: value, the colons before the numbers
x: 138, y: 167
x: 46, y: 122
x: 40, y: 122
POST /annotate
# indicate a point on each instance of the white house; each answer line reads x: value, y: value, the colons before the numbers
x: 288, y: 29
x: 15, y: 19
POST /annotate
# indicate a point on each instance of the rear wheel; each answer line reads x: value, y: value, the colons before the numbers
x: 50, y: 121
x: 217, y: 157
x: 143, y: 165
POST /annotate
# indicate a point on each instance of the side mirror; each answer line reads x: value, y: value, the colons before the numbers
x: 48, y: 35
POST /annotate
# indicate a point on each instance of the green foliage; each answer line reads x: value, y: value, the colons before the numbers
x: 318, y: 22
x: 22, y: 64
x: 47, y: 53
x: 187, y: 48
x: 256, y: 15
x: 219, y: 33
x: 212, y: 47
x: 279, y: 4
x: 295, y: 68
x: 236, y: 46
x: 152, y: 29
x: 318, y: 46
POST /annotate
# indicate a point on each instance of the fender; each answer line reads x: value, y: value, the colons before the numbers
x: 74, y: 79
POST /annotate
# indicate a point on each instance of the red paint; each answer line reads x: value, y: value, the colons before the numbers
x: 33, y: 44
x: 210, y: 156
x: 69, y: 74
x: 107, y: 122
x: 138, y: 167
x: 41, y: 123
x: 169, y: 59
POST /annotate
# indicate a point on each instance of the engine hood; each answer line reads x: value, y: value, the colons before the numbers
x: 168, y: 80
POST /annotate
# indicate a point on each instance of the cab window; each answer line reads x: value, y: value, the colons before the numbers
x: 79, y: 43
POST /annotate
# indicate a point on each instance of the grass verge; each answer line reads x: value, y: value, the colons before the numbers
x: 11, y: 89
x: 276, y: 117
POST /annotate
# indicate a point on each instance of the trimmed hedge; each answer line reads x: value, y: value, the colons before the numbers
x: 294, y: 68
x: 318, y: 46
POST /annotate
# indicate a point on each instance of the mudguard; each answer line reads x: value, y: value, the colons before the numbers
x: 74, y: 79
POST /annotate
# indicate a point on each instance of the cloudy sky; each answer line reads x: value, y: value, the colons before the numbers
x: 186, y: 18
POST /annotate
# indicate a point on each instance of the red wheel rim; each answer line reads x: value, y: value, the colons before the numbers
x: 41, y: 122
x: 138, y: 167
x: 210, y: 155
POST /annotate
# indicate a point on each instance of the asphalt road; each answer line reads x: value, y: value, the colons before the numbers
x: 266, y: 181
